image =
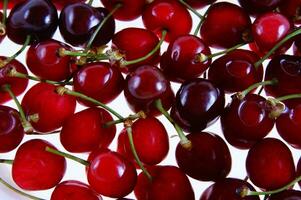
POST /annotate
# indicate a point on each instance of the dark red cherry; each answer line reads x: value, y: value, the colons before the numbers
x: 298, y: 170
x: 18, y: 85
x: 270, y: 164
x: 167, y: 15
x: 78, y: 29
x: 74, y: 190
x: 246, y: 121
x: 37, y: 18
x: 49, y: 108
x: 235, y: 71
x: 291, y: 9
x: 110, y: 174
x: 151, y: 144
x: 260, y: 6
x: 227, y: 189
x: 135, y: 43
x: 286, y: 195
x: 59, y: 4
x: 44, y: 61
x: 36, y: 169
x: 84, y: 131
x: 209, y: 158
x: 199, y: 3
x: 11, y: 129
x: 144, y: 86
x: 182, y: 61
x: 100, y: 81
x: 168, y: 182
x: 225, y: 26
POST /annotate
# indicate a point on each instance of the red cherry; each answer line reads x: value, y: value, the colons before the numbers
x: 168, y: 182
x: 59, y: 4
x: 74, y: 190
x: 197, y: 4
x: 100, y: 81
x: 208, y: 160
x: 259, y: 6
x: 270, y: 164
x: 52, y: 108
x: 36, y: 169
x: 167, y: 15
x: 225, y: 26
x: 286, y: 195
x: 291, y: 9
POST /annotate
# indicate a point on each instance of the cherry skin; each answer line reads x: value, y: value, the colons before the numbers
x: 259, y: 6
x: 270, y: 164
x: 44, y: 61
x: 59, y: 4
x: 77, y: 30
x: 18, y: 85
x: 298, y: 170
x: 144, y: 86
x: 11, y: 129
x: 227, y: 189
x: 286, y: 195
x: 110, y: 174
x: 168, y: 182
x: 251, y: 118
x: 37, y: 18
x: 225, y: 26
x: 74, y: 190
x: 291, y: 9
x: 197, y: 4
x: 51, y: 108
x: 235, y: 71
x: 84, y: 131
x: 100, y: 81
x: 151, y: 144
x: 36, y: 169
x: 167, y: 15
x: 181, y: 60
x: 208, y: 160
x: 135, y: 43
x: 297, y: 46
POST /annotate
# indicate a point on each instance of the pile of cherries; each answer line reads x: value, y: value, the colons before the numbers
x: 94, y: 64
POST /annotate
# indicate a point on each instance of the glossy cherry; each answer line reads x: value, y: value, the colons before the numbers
x: 51, y: 109
x: 209, y: 158
x: 36, y: 169
x: 78, y: 29
x: 168, y: 182
x: 84, y: 131
x: 291, y: 9
x: 37, y: 18
x: 259, y: 6
x: 11, y: 129
x: 74, y: 190
x: 225, y: 26
x: 199, y: 3
x: 270, y: 164
x: 100, y: 81
x: 167, y: 15
x: 182, y: 61
x: 144, y: 86
x: 286, y: 195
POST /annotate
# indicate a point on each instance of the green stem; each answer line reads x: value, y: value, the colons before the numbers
x: 5, y: 2
x: 138, y: 115
x: 90, y: 2
x: 191, y: 9
x: 256, y: 85
x: 287, y: 97
x: 66, y: 155
x: 19, y: 191
x: 183, y: 139
x: 5, y: 161
x: 279, y: 44
x: 196, y: 31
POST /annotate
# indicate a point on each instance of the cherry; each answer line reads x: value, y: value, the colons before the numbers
x: 227, y: 189
x: 235, y: 71
x: 84, y: 131
x: 37, y: 18
x: 74, y: 190
x: 144, y: 86
x: 286, y: 195
x: 77, y: 30
x: 182, y: 61
x: 259, y: 6
x: 11, y: 129
x: 36, y: 169
x: 298, y: 170
x: 197, y: 4
x: 59, y: 4
x: 168, y: 182
x: 209, y: 158
x: 291, y: 9
x: 151, y: 144
x: 270, y: 164
x: 48, y: 109
x: 167, y: 15
x: 100, y: 81
x: 225, y: 26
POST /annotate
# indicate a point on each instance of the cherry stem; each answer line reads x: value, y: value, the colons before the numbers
x: 62, y: 90
x: 152, y: 52
x: 138, y: 115
x: 287, y: 97
x: 19, y: 191
x: 5, y: 2
x: 90, y: 2
x: 5, y: 161
x: 191, y: 9
x: 63, y: 52
x: 25, y: 123
x: 200, y: 23
x: 183, y: 139
x: 242, y: 94
x: 67, y: 155
x: 279, y: 44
